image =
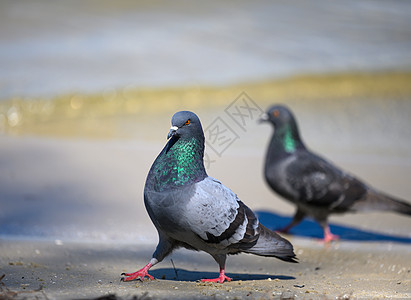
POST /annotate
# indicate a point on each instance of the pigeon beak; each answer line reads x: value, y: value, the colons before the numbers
x: 263, y: 118
x: 172, y: 132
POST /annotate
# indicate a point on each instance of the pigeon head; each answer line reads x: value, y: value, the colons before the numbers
x: 286, y: 135
x: 181, y: 162
x: 185, y: 124
x: 278, y: 116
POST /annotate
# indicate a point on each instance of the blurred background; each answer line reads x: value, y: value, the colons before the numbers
x: 88, y: 88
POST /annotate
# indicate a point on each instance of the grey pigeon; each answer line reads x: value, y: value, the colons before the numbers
x: 197, y: 212
x: 316, y: 186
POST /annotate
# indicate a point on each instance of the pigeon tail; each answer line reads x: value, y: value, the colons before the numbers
x: 271, y: 244
x: 377, y: 201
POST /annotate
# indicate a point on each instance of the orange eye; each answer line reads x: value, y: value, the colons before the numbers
x: 188, y: 122
x: 276, y: 113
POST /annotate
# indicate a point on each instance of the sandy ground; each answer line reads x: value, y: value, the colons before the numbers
x: 89, y: 270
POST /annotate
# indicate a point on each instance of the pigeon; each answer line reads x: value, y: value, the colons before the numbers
x: 192, y: 210
x: 316, y: 186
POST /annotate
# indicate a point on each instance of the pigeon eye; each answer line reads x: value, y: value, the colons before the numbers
x: 188, y: 122
x: 276, y: 113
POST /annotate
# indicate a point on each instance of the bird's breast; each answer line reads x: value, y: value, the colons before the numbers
x: 166, y: 209
x: 279, y: 179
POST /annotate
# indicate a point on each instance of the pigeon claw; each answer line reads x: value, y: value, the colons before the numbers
x: 283, y: 230
x: 140, y: 274
x: 136, y: 275
x: 220, y: 279
x: 328, y: 236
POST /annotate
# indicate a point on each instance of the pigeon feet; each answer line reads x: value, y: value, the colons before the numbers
x: 285, y: 230
x: 220, y: 278
x: 329, y: 237
x: 140, y: 274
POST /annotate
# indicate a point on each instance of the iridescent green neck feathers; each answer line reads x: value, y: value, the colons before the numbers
x: 286, y: 138
x: 180, y: 163
x: 289, y: 142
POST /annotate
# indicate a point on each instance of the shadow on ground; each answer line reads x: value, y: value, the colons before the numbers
x: 185, y: 275
x: 311, y: 229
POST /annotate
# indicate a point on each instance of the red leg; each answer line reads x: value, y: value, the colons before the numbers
x: 328, y: 236
x: 220, y: 278
x: 139, y: 274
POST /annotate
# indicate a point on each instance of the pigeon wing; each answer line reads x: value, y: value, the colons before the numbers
x: 318, y: 182
x: 218, y: 217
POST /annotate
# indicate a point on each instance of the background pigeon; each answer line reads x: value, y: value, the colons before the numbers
x: 195, y: 211
x: 314, y: 185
